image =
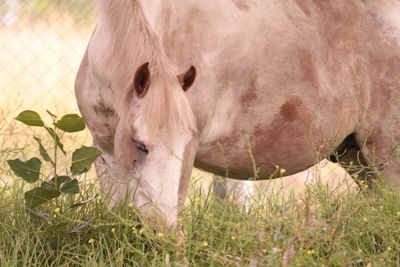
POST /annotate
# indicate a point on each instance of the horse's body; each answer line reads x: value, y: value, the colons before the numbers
x: 278, y: 83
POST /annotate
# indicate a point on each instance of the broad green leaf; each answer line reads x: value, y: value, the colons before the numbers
x: 71, y: 187
x: 56, y: 139
x: 59, y: 180
x: 83, y: 158
x: 28, y: 170
x: 39, y: 196
x: 30, y: 118
x: 56, y: 182
x: 48, y: 185
x: 43, y: 151
x: 71, y: 123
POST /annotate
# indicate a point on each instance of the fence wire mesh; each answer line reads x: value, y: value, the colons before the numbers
x: 41, y: 45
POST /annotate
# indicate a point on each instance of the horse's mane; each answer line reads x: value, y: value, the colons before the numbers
x: 165, y: 106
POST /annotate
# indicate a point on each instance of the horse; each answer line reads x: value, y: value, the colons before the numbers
x: 238, y: 88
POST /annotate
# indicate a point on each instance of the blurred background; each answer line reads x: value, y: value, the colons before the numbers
x: 41, y: 45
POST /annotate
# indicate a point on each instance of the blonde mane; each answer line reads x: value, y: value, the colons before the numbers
x: 165, y: 106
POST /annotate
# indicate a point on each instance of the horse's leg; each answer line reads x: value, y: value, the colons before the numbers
x: 380, y: 147
x: 219, y: 186
x: 237, y: 190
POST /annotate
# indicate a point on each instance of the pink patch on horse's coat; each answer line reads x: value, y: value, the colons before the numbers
x: 304, y: 7
x: 289, y: 110
x: 310, y: 71
x: 287, y: 135
x: 276, y: 143
x: 250, y: 95
x: 242, y: 4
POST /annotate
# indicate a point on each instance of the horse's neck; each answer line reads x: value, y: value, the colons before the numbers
x: 125, y: 10
x: 124, y: 28
x: 152, y: 10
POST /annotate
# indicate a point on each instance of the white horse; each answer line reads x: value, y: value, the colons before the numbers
x: 237, y: 87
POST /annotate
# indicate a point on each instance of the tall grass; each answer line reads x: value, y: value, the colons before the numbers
x: 323, y: 229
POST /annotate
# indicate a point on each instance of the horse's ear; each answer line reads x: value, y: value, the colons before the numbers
x: 141, y: 82
x: 187, y: 78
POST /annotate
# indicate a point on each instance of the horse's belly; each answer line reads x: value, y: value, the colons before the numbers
x: 245, y: 157
x: 292, y: 141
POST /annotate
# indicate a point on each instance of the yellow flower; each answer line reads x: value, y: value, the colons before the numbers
x: 141, y: 231
x: 134, y: 230
x: 264, y: 251
x: 282, y: 171
x: 91, y: 241
x: 113, y: 230
x: 130, y: 205
x: 205, y: 244
x: 160, y: 235
x: 57, y: 210
x: 310, y: 252
x: 233, y: 238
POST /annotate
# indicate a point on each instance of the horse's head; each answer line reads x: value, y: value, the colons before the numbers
x: 156, y: 140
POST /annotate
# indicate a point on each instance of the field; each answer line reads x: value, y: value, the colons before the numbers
x: 306, y: 225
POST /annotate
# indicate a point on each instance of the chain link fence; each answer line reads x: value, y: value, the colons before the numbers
x: 41, y: 45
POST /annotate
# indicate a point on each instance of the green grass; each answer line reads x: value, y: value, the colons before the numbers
x: 350, y: 230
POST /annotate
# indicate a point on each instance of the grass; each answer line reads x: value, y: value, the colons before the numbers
x: 354, y: 229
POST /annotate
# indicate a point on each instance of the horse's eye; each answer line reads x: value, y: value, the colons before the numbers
x: 141, y: 146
